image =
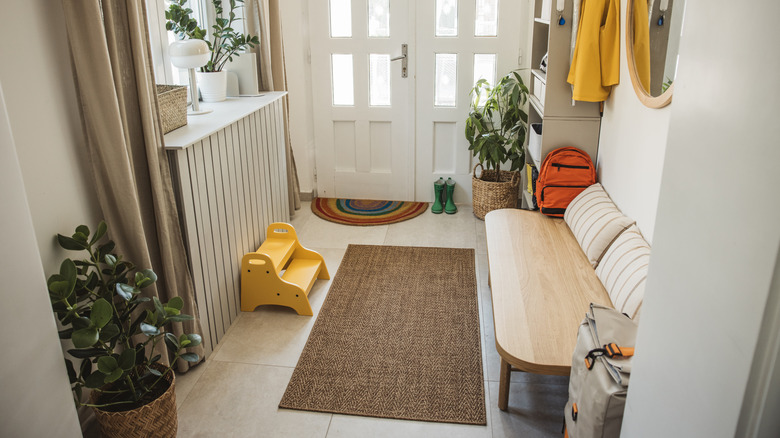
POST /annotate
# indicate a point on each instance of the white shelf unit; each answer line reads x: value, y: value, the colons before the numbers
x: 563, y: 124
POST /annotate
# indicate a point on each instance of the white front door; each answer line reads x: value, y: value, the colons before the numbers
x: 363, y: 107
x: 379, y: 135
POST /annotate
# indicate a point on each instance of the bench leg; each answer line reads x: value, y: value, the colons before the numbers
x: 503, y: 385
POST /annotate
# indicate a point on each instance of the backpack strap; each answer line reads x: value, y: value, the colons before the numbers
x: 609, y: 350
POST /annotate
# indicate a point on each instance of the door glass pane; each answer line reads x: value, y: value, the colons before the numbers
x: 484, y: 68
x: 340, y: 18
x: 343, y: 82
x: 446, y: 18
x: 379, y: 18
x: 379, y: 80
x: 486, y: 23
x: 446, y: 86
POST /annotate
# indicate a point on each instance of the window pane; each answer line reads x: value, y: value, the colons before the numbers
x: 343, y: 83
x: 340, y: 18
x: 446, y: 18
x: 379, y: 18
x: 379, y: 80
x: 486, y: 23
x: 445, y: 88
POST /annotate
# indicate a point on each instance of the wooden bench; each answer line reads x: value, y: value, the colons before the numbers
x: 542, y: 285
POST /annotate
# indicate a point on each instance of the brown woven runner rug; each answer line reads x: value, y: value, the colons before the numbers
x: 397, y: 337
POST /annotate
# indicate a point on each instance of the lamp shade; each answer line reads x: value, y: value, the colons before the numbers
x: 189, y: 53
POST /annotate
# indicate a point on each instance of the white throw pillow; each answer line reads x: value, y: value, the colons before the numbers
x: 623, y: 271
x: 595, y: 221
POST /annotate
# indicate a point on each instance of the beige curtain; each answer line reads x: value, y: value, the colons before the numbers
x: 113, y: 69
x: 263, y: 18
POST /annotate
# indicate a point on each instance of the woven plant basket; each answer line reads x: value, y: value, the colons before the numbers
x: 488, y: 195
x: 156, y: 419
x: 172, y: 102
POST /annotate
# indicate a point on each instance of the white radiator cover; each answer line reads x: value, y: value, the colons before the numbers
x: 229, y: 172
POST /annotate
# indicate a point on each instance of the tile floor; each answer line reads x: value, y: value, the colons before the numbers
x: 236, y: 391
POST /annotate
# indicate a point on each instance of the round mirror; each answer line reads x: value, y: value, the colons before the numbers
x: 653, y: 29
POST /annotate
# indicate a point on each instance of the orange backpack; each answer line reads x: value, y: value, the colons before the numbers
x: 564, y: 174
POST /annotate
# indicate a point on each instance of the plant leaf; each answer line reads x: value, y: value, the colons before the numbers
x: 127, y: 359
x: 110, y: 260
x: 86, y: 353
x: 99, y: 233
x: 71, y: 371
x: 172, y: 342
x: 109, y: 332
x: 107, y: 364
x: 175, y: 302
x: 190, y: 357
x: 149, y: 330
x: 115, y: 375
x: 126, y: 291
x: 69, y: 243
x: 102, y: 311
x: 95, y: 380
x: 85, y: 337
x: 195, y: 339
x: 180, y: 318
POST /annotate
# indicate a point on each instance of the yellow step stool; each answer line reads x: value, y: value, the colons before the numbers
x: 280, y: 272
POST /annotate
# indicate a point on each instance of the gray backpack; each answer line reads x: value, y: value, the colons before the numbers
x: 600, y: 370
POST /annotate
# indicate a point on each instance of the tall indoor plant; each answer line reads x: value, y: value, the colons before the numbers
x: 496, y: 128
x: 114, y: 330
x: 225, y: 42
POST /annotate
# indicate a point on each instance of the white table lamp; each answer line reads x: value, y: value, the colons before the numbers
x: 190, y: 54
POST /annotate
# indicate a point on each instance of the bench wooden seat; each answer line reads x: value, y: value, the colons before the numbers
x: 541, y: 285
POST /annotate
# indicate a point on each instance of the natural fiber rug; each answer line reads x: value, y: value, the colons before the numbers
x: 397, y: 337
x: 366, y: 212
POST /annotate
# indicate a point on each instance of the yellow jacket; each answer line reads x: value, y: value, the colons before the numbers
x: 595, y: 66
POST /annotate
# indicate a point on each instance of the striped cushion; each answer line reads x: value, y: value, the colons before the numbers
x: 623, y: 271
x: 595, y: 221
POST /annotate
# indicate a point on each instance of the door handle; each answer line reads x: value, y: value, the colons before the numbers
x: 404, y: 58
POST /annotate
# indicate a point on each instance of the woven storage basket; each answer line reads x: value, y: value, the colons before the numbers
x: 172, y: 101
x: 156, y: 419
x: 488, y: 195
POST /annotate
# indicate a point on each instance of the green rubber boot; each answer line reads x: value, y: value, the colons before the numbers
x: 450, y: 207
x: 438, y: 189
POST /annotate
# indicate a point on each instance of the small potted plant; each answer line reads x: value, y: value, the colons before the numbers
x: 495, y: 129
x: 114, y: 329
x: 225, y: 43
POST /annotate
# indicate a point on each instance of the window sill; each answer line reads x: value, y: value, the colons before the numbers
x: 223, y: 114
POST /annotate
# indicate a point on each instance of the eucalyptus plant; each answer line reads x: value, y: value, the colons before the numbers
x: 225, y: 41
x: 114, y: 329
x: 497, y: 122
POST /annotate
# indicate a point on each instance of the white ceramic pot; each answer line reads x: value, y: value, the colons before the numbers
x: 212, y: 85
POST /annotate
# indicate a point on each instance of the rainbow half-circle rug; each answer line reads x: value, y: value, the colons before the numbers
x: 365, y: 211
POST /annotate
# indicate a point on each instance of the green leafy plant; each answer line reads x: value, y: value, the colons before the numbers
x: 113, y: 328
x: 497, y: 122
x: 225, y: 41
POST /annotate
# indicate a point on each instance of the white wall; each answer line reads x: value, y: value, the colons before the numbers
x: 295, y: 29
x: 44, y: 113
x: 631, y: 148
x: 717, y: 230
x: 36, y: 398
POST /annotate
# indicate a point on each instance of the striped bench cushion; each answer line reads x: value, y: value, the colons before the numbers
x: 595, y: 221
x: 623, y: 271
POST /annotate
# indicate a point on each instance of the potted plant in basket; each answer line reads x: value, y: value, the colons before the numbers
x: 495, y: 129
x: 225, y: 43
x: 114, y: 330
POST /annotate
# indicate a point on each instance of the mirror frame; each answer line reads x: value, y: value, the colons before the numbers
x: 646, y: 98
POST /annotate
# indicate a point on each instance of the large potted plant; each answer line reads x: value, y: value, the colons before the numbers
x: 115, y: 331
x: 225, y: 43
x: 495, y: 129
